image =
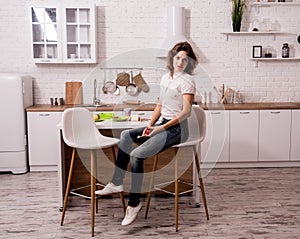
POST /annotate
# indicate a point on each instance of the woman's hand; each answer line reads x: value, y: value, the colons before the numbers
x: 155, y: 130
x: 147, y: 131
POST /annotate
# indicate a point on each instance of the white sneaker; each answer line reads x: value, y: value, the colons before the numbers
x: 131, y: 214
x: 109, y: 189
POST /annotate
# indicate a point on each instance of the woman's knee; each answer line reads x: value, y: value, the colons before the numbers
x: 125, y: 135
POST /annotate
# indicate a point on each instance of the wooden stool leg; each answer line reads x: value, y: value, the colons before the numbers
x: 96, y: 180
x: 151, y: 185
x: 68, y: 187
x: 201, y: 183
x: 93, y: 187
x: 176, y: 190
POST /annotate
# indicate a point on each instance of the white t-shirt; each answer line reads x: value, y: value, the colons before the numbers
x: 171, y: 91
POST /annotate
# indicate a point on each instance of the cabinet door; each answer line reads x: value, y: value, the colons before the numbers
x: 46, y: 34
x: 42, y: 140
x: 215, y: 147
x: 295, y: 135
x: 243, y: 135
x: 274, y: 135
x: 79, y: 34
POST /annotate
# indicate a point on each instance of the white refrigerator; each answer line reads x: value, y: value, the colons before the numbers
x: 15, y: 96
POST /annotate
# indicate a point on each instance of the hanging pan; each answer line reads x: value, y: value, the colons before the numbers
x: 132, y: 89
x: 109, y: 86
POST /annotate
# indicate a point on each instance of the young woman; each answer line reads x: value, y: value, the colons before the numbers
x: 177, y: 89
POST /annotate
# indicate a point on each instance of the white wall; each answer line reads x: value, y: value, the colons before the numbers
x: 128, y: 25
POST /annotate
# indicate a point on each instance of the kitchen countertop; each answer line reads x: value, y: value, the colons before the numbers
x: 109, y: 107
x: 149, y: 107
x: 253, y: 106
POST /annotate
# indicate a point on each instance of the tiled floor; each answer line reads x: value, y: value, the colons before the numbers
x: 243, y: 203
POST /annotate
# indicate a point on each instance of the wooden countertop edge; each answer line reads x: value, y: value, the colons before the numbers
x: 149, y: 107
x: 253, y: 106
x: 111, y: 107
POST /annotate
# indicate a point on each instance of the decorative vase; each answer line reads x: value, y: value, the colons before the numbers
x: 236, y: 27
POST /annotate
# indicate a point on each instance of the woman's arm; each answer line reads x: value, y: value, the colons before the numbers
x: 185, y: 113
x: 156, y: 114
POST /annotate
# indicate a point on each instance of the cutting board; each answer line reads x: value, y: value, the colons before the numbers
x: 73, y: 93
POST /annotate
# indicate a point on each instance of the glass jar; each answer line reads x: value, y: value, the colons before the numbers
x: 268, y: 52
x: 285, y: 50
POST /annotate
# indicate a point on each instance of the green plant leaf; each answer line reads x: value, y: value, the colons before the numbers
x: 238, y: 7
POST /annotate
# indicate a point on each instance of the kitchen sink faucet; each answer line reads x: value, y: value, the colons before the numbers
x: 96, y: 101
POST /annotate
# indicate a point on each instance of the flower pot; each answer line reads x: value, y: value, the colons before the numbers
x: 236, y: 27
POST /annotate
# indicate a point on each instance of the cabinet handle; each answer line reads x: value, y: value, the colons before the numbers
x: 79, y: 61
x: 275, y: 112
x: 244, y: 112
x: 45, y: 115
x: 216, y: 113
x: 45, y: 60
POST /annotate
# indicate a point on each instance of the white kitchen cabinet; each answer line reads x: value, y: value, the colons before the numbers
x: 274, y: 135
x: 42, y: 140
x: 244, y: 135
x: 63, y: 34
x: 295, y: 135
x: 215, y: 147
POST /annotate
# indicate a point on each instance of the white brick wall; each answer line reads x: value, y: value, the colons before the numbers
x: 134, y: 25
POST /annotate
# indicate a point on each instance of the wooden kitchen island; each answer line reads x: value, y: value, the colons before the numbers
x: 234, y: 123
x: 105, y: 166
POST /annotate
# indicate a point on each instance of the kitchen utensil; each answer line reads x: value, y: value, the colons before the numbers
x: 132, y: 89
x: 110, y: 86
x: 73, y: 92
x: 117, y: 91
x: 224, y: 97
x: 140, y: 82
x: 132, y: 102
x: 123, y: 79
x: 218, y: 93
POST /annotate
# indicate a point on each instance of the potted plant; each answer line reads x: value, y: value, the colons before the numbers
x: 238, y: 7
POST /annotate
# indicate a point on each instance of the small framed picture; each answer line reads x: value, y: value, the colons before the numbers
x: 257, y: 52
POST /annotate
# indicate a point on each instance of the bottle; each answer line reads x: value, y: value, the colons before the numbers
x: 285, y: 50
x: 268, y: 53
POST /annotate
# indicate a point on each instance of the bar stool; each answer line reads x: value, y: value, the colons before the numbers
x: 79, y: 131
x: 197, y: 128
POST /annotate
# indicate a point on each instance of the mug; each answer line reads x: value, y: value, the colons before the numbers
x: 127, y: 111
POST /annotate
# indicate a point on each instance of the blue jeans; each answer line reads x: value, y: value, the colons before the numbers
x: 155, y: 144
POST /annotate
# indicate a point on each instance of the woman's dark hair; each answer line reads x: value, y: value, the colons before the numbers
x: 192, y: 59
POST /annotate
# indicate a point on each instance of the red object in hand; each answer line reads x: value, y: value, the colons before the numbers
x: 147, y: 131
